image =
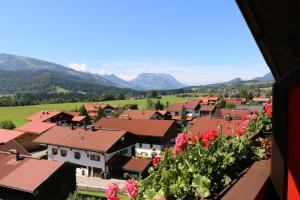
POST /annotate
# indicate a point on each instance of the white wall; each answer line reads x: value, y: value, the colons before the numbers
x: 146, y: 148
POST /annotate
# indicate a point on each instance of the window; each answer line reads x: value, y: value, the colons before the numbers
x: 95, y: 157
x: 151, y: 146
x: 77, y: 155
x: 54, y: 151
x: 63, y: 153
x: 140, y: 144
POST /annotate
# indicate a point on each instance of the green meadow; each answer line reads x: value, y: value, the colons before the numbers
x: 17, y: 114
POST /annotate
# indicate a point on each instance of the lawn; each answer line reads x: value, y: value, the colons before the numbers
x: 17, y: 114
x: 100, y: 195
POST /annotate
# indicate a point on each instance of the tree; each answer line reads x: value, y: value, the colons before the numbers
x: 7, y: 124
x: 158, y: 105
x: 152, y: 94
x: 221, y: 103
x: 117, y: 112
x: 183, y: 121
x: 149, y: 104
x: 82, y: 111
x: 100, y: 114
x: 167, y: 104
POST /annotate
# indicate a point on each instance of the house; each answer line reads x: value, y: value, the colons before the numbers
x: 32, y: 130
x: 236, y: 101
x: 153, y: 135
x: 92, y: 109
x: 51, y: 117
x: 7, y: 141
x: 233, y: 113
x: 261, y: 100
x: 207, y: 110
x: 166, y: 114
x: 88, y: 149
x: 208, y: 100
x: 191, y: 108
x: 26, y: 178
x: 141, y: 114
x: 222, y: 126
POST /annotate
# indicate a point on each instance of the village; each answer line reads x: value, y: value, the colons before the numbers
x: 61, y: 151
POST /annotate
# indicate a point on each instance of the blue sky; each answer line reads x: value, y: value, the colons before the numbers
x: 197, y: 41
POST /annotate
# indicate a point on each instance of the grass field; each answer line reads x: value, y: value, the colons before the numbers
x: 17, y: 114
x: 100, y: 195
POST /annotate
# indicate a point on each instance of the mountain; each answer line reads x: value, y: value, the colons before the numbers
x: 21, y: 63
x: 266, y: 77
x: 120, y: 82
x: 236, y: 80
x: 157, y: 81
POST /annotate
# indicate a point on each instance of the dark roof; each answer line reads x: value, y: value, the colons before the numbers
x: 275, y: 25
x: 205, y: 123
x: 207, y: 108
x: 140, y: 127
x: 13, y: 145
x: 177, y: 107
x: 79, y: 138
x: 138, y: 114
x: 36, y: 127
x: 7, y: 135
x: 26, y: 174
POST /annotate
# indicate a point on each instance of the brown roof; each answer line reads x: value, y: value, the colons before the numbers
x: 261, y: 99
x: 236, y: 101
x: 137, y: 165
x: 234, y: 113
x: 13, y: 145
x: 26, y: 174
x: 163, y: 112
x: 98, y: 140
x: 140, y: 127
x: 188, y: 118
x: 7, y: 135
x: 177, y: 107
x: 43, y: 116
x: 78, y: 118
x: 208, y: 99
x: 138, y: 114
x: 73, y: 113
x: 35, y: 127
x: 205, y: 123
x: 207, y: 108
x: 95, y: 107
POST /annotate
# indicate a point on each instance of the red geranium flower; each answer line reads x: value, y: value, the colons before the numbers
x: 111, y: 192
x: 155, y: 160
x: 180, y: 143
x: 207, y: 137
x: 254, y: 116
x: 131, y: 188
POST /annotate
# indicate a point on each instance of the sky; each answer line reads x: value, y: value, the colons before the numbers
x: 196, y: 41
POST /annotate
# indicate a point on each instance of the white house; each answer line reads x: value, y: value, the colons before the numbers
x: 192, y: 109
x: 88, y: 149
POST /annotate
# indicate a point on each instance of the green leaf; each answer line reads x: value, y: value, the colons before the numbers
x: 202, y: 185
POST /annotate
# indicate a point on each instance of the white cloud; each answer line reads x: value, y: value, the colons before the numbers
x: 81, y: 67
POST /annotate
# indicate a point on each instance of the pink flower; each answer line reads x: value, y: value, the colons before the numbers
x: 254, y: 116
x: 160, y: 198
x: 131, y: 188
x: 247, y: 122
x: 155, y: 160
x: 180, y: 143
x: 111, y: 192
x: 207, y: 137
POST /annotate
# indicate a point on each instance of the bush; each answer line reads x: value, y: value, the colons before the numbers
x: 7, y: 124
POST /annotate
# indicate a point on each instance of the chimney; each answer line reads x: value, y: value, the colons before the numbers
x: 228, y: 117
x: 16, y: 153
x: 92, y: 128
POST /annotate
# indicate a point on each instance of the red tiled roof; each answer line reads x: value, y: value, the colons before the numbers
x: 35, y: 127
x: 205, y: 123
x: 78, y: 118
x: 234, y: 113
x: 163, y: 112
x: 43, y: 116
x: 207, y: 108
x: 98, y: 140
x: 26, y: 174
x: 177, y: 107
x: 138, y: 114
x: 137, y: 165
x: 141, y: 127
x: 73, y: 113
x: 7, y: 135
